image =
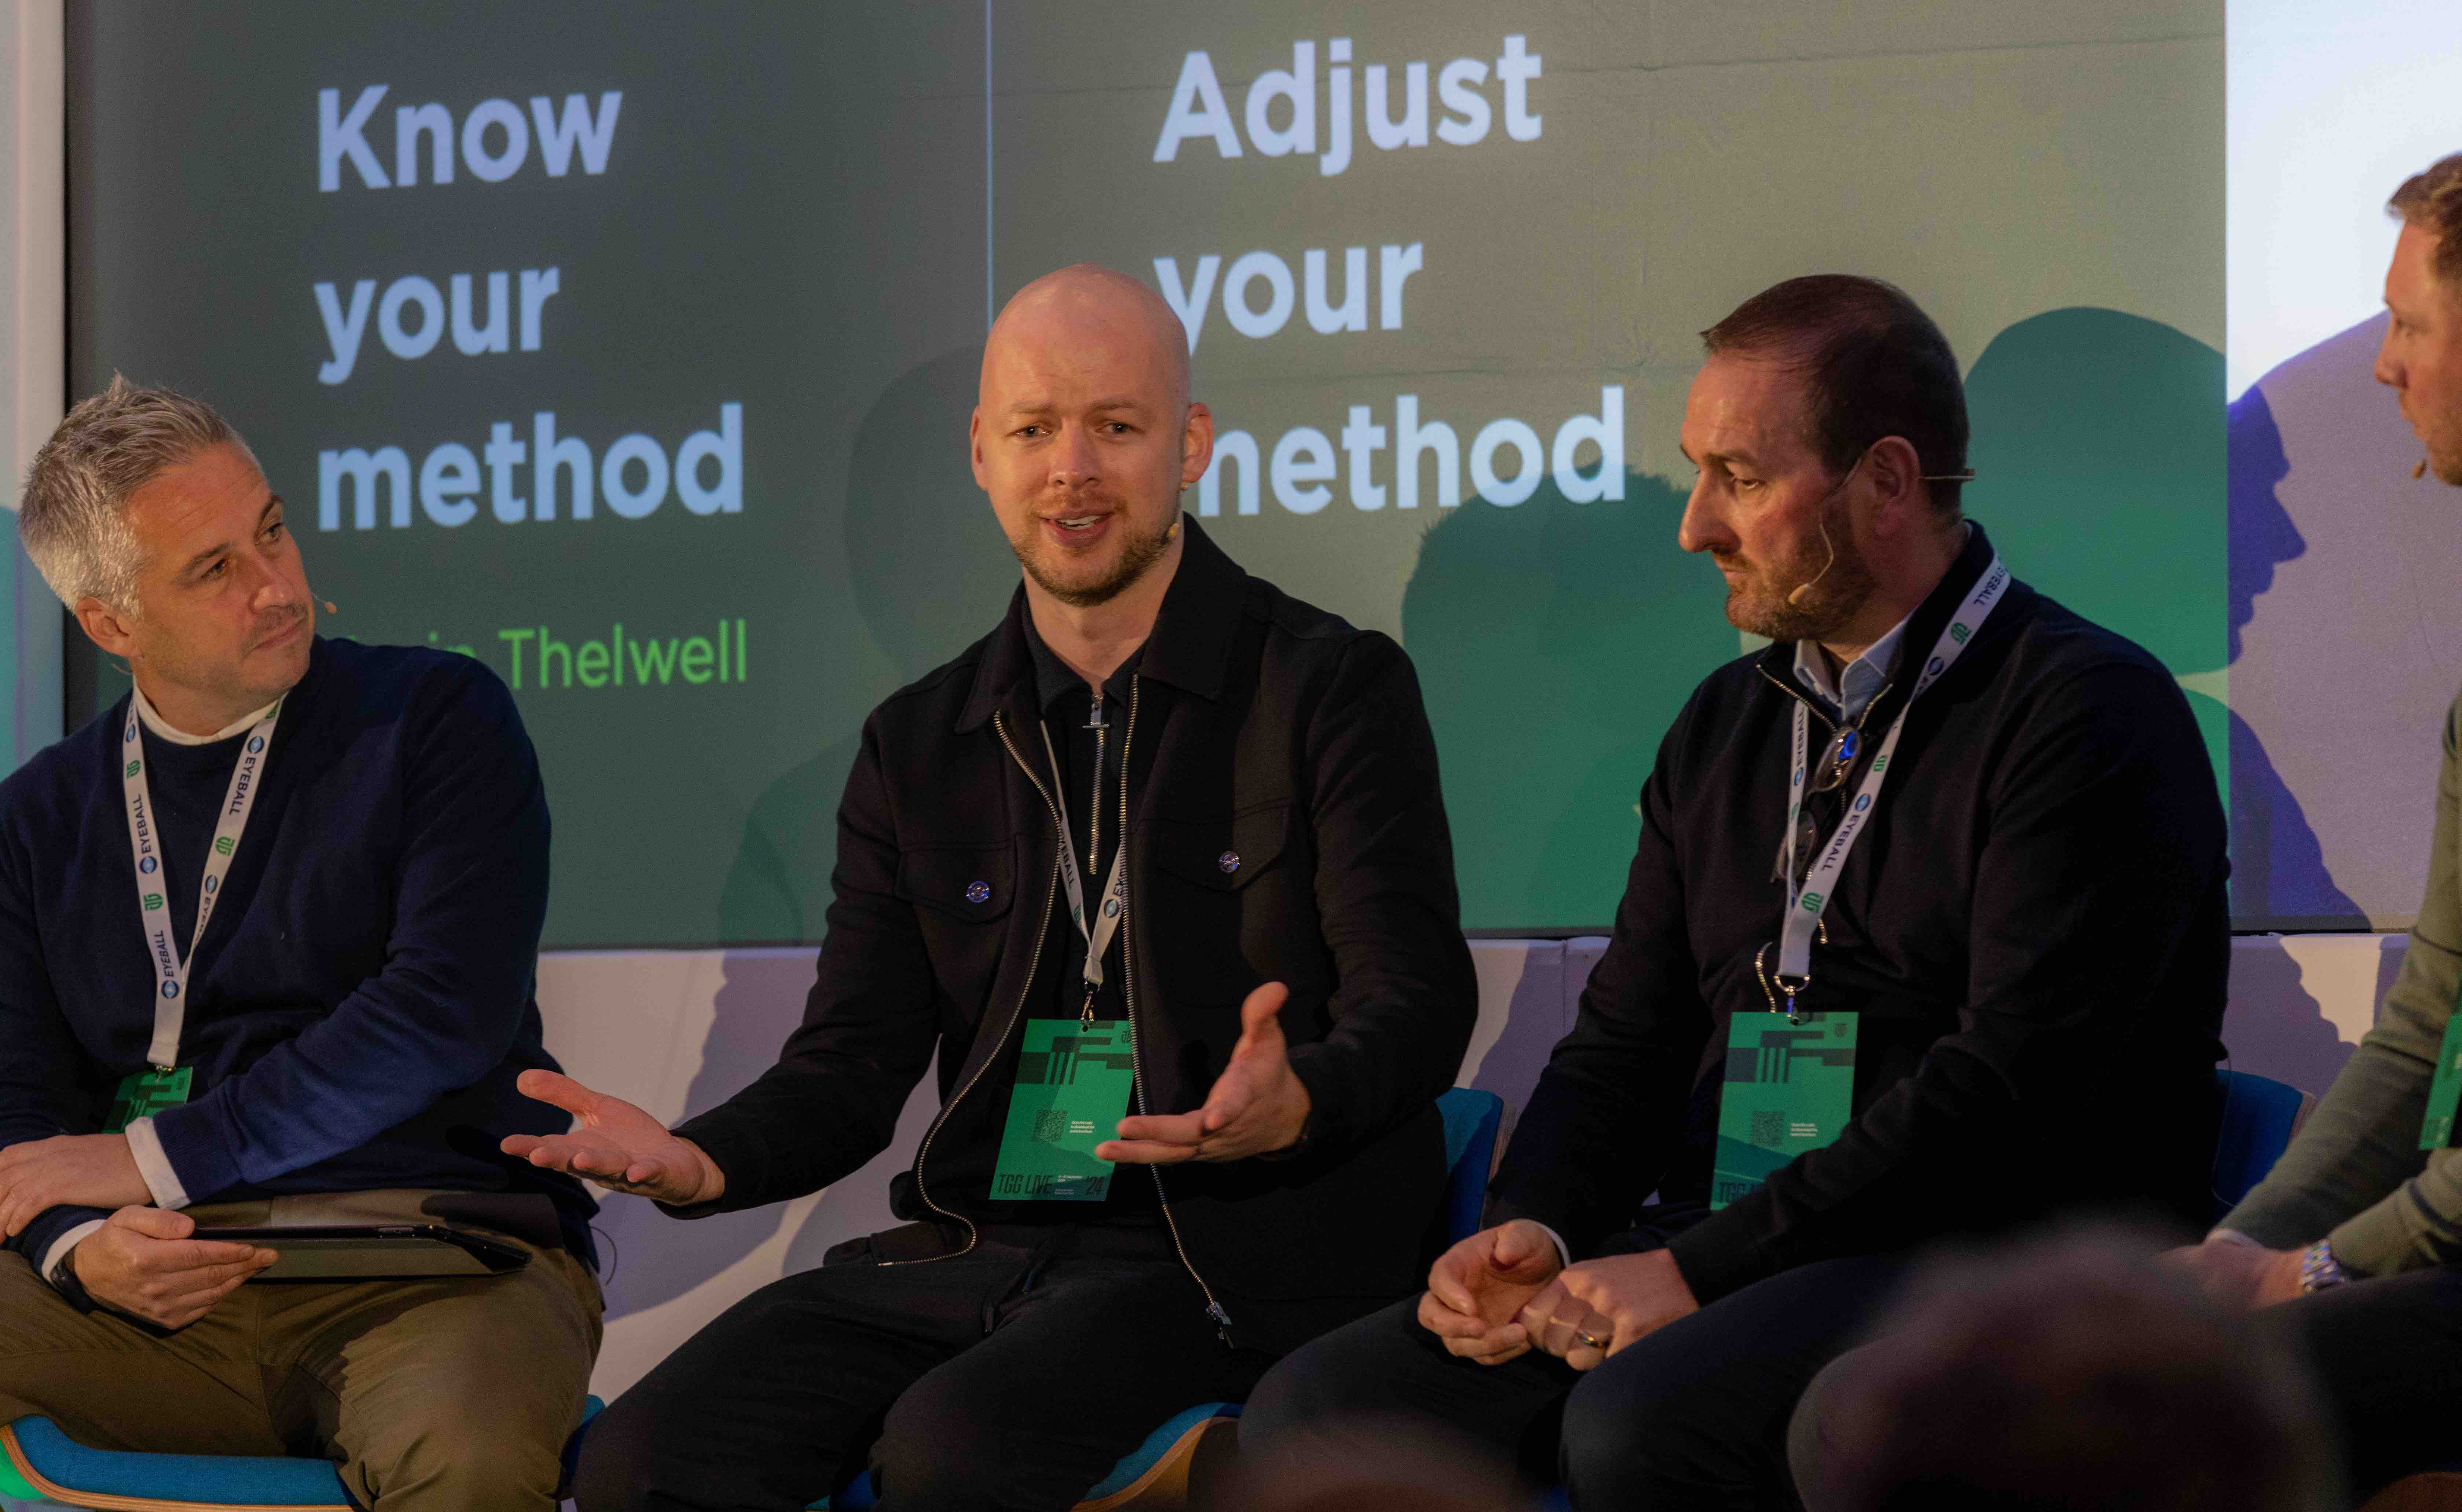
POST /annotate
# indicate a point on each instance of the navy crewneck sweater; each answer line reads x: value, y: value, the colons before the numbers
x: 361, y: 1002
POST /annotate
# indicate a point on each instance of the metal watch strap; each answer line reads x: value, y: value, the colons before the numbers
x: 2319, y: 1269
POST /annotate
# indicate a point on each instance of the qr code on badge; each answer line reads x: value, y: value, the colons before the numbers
x: 1052, y: 1123
x: 1769, y: 1127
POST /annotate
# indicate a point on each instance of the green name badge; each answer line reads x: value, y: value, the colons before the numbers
x: 2436, y: 1130
x: 147, y: 1093
x: 1790, y: 1088
x: 1074, y: 1083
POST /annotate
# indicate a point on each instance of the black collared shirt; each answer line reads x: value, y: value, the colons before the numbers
x: 1086, y: 737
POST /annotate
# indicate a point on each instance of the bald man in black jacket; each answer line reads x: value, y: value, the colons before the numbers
x: 1165, y: 825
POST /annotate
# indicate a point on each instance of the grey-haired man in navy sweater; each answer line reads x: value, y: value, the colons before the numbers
x: 267, y: 933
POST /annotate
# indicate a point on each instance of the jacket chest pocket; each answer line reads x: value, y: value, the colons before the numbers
x: 1222, y: 893
x: 962, y: 894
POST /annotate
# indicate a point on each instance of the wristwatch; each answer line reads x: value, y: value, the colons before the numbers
x: 64, y: 1281
x: 2319, y: 1269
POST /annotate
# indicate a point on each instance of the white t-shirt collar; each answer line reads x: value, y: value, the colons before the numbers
x: 154, y: 722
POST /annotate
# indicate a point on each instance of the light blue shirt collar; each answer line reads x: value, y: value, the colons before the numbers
x: 1863, y: 678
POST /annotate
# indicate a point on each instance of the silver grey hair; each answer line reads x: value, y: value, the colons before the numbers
x: 73, y: 517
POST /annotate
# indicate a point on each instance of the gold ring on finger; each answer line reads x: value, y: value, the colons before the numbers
x: 1592, y: 1341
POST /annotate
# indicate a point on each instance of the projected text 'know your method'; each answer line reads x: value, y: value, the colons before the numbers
x: 555, y: 465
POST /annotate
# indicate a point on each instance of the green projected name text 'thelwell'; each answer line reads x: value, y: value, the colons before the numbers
x: 538, y: 658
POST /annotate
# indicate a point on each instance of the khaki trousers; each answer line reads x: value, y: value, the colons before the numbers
x: 447, y: 1395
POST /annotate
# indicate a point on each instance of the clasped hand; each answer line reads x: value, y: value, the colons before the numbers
x: 1505, y: 1290
x: 2235, y: 1276
x: 142, y: 1260
x: 66, y: 1171
x: 1255, y: 1107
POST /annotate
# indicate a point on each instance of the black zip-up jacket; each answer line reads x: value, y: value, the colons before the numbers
x: 2032, y: 927
x: 1262, y: 729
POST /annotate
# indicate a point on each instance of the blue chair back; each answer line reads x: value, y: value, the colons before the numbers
x: 1471, y: 1120
x: 39, y: 1461
x: 46, y: 1462
x: 2260, y: 1116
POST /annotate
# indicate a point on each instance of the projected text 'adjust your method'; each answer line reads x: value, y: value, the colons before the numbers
x: 1263, y: 294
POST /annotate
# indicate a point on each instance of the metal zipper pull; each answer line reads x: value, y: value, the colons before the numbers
x: 1095, y: 801
x: 1094, y: 837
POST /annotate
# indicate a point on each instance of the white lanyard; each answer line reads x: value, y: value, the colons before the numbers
x: 1806, y: 906
x: 153, y: 900
x: 1115, y: 887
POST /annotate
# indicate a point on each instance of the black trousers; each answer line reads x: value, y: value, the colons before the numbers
x: 2386, y: 1357
x: 1693, y: 1416
x: 1013, y: 1377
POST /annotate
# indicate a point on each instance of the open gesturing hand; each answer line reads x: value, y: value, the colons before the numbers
x: 1477, y: 1290
x: 615, y: 1145
x: 1257, y: 1106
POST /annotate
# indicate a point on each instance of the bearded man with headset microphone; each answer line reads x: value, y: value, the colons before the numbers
x: 1925, y: 934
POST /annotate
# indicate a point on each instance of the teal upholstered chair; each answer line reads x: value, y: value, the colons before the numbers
x: 2260, y: 1118
x: 37, y: 1461
x: 40, y: 1464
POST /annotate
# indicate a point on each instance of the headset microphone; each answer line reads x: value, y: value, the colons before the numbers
x: 1795, y: 598
x: 329, y: 606
x: 1964, y: 475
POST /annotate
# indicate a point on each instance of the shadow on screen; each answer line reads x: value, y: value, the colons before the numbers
x: 2114, y: 481
x: 2274, y: 1028
x: 1554, y: 643
x: 931, y: 575
x: 1533, y: 1021
x: 2277, y: 866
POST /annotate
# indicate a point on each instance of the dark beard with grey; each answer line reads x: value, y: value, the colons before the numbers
x: 1822, y: 604
x: 1137, y: 553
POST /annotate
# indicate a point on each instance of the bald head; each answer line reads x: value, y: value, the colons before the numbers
x: 1085, y: 316
x: 1083, y: 434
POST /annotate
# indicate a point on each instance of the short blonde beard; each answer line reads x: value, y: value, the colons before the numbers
x: 1139, y: 554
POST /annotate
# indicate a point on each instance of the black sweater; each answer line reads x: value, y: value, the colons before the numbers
x: 2033, y: 928
x: 361, y: 1002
